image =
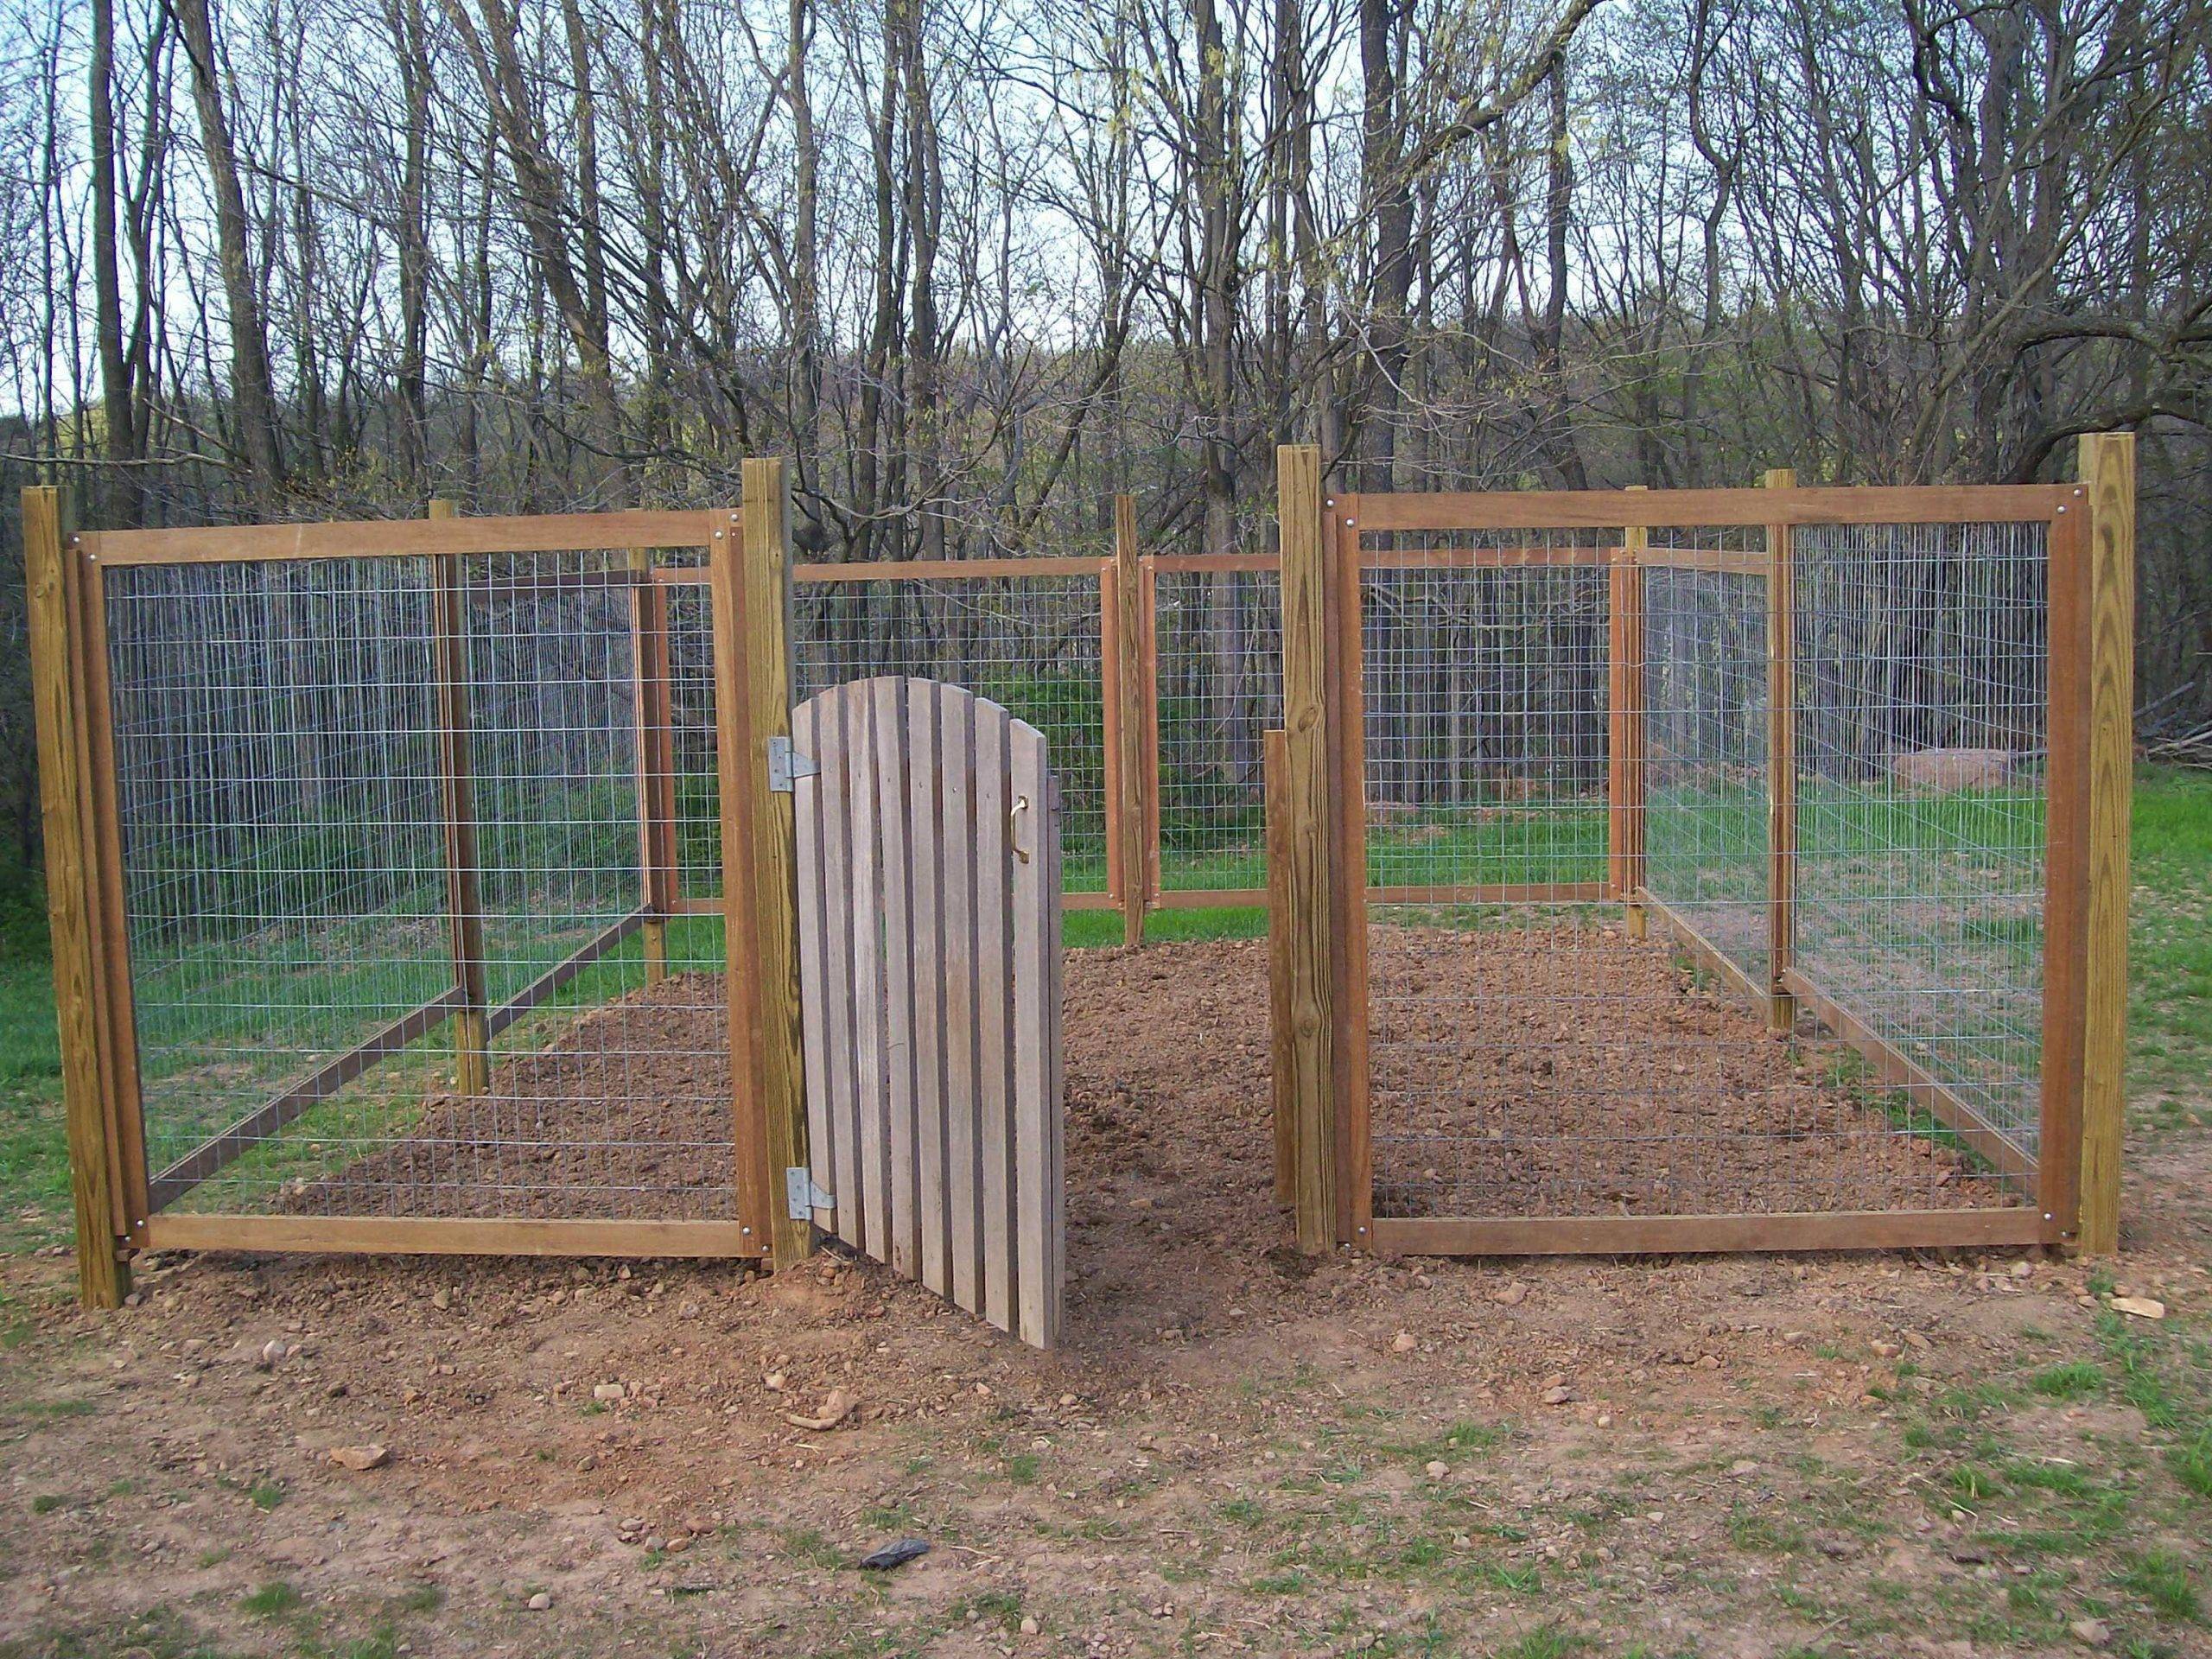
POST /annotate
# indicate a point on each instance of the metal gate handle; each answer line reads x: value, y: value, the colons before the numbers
x: 1012, y: 821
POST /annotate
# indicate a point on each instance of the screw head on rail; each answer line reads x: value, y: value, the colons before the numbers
x: 2062, y: 506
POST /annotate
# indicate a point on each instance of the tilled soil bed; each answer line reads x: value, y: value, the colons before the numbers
x: 1515, y: 1072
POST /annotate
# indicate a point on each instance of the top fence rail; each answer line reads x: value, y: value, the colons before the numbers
x: 385, y: 539
x: 1652, y: 509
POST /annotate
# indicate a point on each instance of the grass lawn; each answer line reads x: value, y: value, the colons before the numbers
x: 2171, y: 1003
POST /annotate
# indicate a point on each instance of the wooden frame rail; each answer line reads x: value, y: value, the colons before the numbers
x: 1882, y: 1230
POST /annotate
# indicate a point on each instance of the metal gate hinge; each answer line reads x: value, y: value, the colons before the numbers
x: 786, y: 765
x: 802, y: 1197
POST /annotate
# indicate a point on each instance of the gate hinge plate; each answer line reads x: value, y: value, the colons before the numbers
x: 786, y: 765
x: 802, y: 1197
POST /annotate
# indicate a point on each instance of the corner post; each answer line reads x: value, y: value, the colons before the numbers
x: 56, y: 644
x: 2107, y: 476
x: 1781, y: 758
x: 1309, y: 886
x: 1135, y: 688
x: 750, y: 572
x: 472, y: 1057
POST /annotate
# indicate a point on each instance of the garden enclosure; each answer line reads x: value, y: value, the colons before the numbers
x: 1648, y: 869
x: 1704, y: 869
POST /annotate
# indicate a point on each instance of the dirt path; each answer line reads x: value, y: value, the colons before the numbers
x: 1238, y: 1451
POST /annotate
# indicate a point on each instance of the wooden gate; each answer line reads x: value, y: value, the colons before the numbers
x: 929, y: 902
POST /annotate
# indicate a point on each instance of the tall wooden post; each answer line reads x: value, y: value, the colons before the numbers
x: 1625, y: 769
x: 1781, y: 758
x: 1136, y: 686
x: 56, y: 645
x: 649, y: 670
x: 1274, y: 773
x: 2107, y: 476
x: 749, y: 573
x: 472, y: 1058
x: 1309, y: 889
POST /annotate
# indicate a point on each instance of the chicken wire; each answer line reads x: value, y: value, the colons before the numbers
x: 303, y: 983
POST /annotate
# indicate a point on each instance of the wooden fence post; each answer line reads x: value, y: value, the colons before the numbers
x: 472, y: 1058
x: 1275, y: 784
x: 649, y: 670
x: 56, y: 642
x: 750, y: 573
x: 2107, y: 474
x: 1309, y: 887
x: 1781, y: 758
x: 1136, y: 685
x: 1626, y: 770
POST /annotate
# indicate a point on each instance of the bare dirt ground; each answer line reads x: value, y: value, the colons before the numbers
x: 1238, y: 1451
x: 1575, y: 1070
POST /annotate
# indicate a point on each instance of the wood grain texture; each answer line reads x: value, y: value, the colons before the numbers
x: 930, y: 961
x: 1033, y: 841
x: 102, y: 1278
x: 733, y: 751
x: 1626, y: 772
x: 455, y: 1236
x: 1136, y: 680
x: 771, y: 850
x: 472, y: 1053
x: 1348, y: 877
x: 1781, y: 757
x: 1275, y: 778
x: 1670, y: 1235
x: 1619, y: 509
x: 2107, y: 471
x: 403, y: 537
x: 1310, y: 796
x: 115, y: 1016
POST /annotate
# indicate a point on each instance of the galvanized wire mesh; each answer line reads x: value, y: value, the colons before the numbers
x: 1704, y: 677
x: 1922, y: 663
x: 315, y: 945
x: 1540, y: 1045
x: 1030, y: 643
x: 1218, y: 641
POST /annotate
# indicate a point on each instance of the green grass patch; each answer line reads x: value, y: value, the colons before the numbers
x: 271, y: 1600
x: 2077, y: 1379
x: 2161, y: 1577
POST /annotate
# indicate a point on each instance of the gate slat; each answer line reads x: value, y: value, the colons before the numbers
x: 903, y: 1218
x: 868, y: 971
x: 928, y: 845
x: 993, y: 972
x: 840, y: 1155
x: 813, y: 968
x: 1035, y: 1176
x: 957, y: 732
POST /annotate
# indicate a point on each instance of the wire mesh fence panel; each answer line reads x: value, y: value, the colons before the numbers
x: 1704, y: 677
x: 1029, y: 643
x: 1217, y: 637
x: 1536, y: 1049
x: 1486, y: 707
x: 694, y: 788
x: 385, y: 873
x: 1921, y: 670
